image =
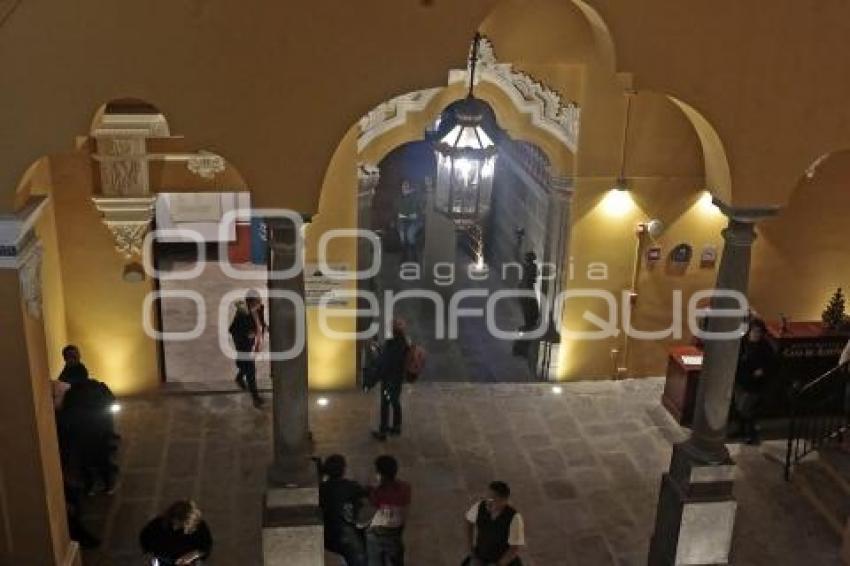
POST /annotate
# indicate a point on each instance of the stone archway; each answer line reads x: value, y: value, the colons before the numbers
x: 528, y: 110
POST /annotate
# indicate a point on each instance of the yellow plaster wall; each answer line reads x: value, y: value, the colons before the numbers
x: 103, y: 312
x: 801, y: 256
x: 32, y: 510
x: 52, y: 291
x: 332, y: 361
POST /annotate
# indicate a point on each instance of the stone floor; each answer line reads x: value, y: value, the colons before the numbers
x: 584, y: 467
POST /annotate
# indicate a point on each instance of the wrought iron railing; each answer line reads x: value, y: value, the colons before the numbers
x: 819, y: 412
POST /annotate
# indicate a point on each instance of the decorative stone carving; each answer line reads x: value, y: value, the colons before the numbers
x: 547, y: 109
x: 128, y: 219
x: 123, y: 163
x: 21, y: 250
x: 30, y: 276
x: 392, y: 113
x: 205, y: 164
x: 368, y: 176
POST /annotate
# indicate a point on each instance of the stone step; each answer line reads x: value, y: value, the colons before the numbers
x: 827, y: 495
x: 836, y: 461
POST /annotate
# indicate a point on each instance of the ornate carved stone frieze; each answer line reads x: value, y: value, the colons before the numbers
x: 392, y: 113
x: 547, y: 109
x: 21, y: 250
x: 122, y: 156
x: 128, y: 219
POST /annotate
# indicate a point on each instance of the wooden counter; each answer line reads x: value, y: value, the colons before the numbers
x: 804, y: 351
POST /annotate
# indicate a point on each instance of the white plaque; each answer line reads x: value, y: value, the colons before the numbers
x: 317, y: 285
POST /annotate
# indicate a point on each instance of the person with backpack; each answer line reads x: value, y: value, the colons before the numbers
x: 395, y: 365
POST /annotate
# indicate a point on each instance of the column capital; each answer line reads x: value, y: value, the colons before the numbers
x: 562, y: 186
x: 746, y: 214
x: 17, y: 235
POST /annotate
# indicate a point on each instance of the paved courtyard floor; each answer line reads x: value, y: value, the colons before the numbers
x: 584, y: 466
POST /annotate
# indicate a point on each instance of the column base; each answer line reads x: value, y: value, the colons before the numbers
x: 696, y: 513
x: 293, y: 472
x: 293, y: 534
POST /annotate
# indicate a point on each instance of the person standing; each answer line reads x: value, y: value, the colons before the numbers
x: 71, y: 355
x: 391, y: 367
x: 247, y: 330
x: 178, y: 537
x: 755, y: 360
x: 410, y: 221
x: 340, y: 499
x: 391, y: 500
x: 494, y: 530
x: 86, y: 429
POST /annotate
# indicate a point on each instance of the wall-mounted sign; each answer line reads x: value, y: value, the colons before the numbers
x: 682, y: 253
x: 318, y: 285
x: 653, y: 253
x: 708, y: 257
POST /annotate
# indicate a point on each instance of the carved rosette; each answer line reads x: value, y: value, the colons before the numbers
x: 206, y: 164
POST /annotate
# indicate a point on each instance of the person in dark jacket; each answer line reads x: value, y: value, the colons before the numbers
x: 71, y: 356
x: 494, y: 530
x: 247, y: 330
x: 178, y: 537
x: 341, y: 499
x: 755, y: 361
x: 86, y: 429
x: 391, y: 367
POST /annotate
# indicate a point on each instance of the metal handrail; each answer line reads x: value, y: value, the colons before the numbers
x: 808, y: 427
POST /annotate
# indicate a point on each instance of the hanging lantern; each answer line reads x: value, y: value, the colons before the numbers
x: 466, y: 156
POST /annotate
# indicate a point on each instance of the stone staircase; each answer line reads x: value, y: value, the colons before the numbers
x: 824, y: 480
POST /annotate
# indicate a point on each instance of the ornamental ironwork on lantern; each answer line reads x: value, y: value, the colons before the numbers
x: 465, y: 141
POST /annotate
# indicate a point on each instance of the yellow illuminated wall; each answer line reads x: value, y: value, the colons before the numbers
x: 102, y: 311
x: 801, y: 256
x: 332, y: 361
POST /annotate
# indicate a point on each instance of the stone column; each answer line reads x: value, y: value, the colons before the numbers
x: 696, y: 509
x: 31, y: 498
x: 368, y: 177
x: 558, y: 229
x: 292, y: 520
x: 291, y: 464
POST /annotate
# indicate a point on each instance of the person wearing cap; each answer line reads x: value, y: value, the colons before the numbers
x: 391, y: 371
x: 247, y: 330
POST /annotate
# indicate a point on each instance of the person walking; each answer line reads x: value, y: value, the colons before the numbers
x: 494, y: 530
x: 341, y: 500
x: 177, y: 537
x: 391, y: 500
x: 247, y: 331
x: 390, y: 371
